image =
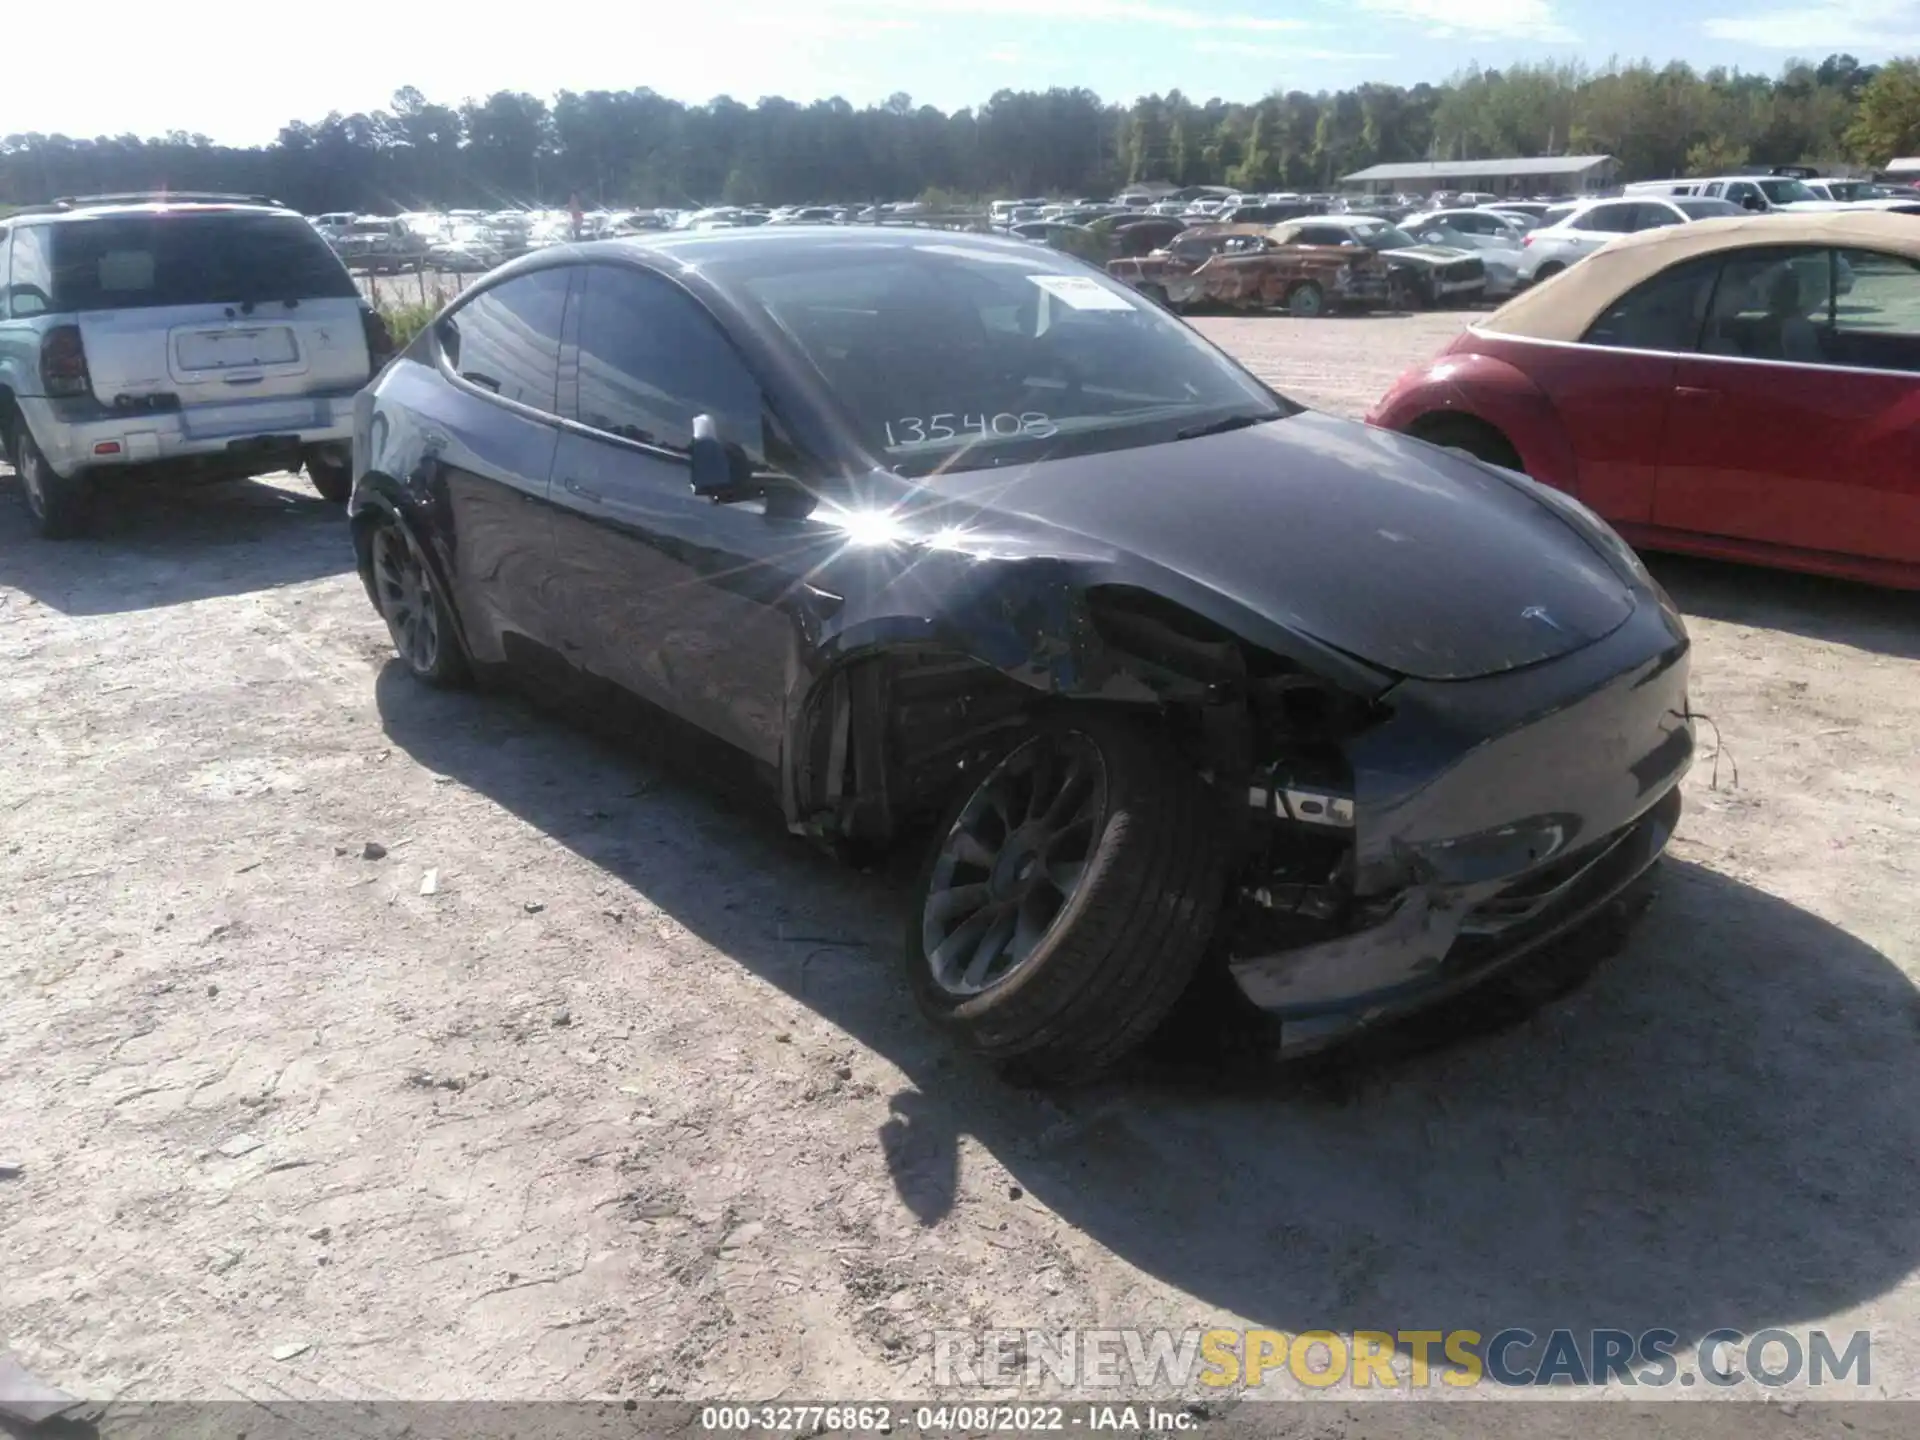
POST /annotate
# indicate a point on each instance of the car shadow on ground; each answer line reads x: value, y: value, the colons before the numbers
x: 167, y: 544
x: 1866, y: 617
x: 1718, y: 1129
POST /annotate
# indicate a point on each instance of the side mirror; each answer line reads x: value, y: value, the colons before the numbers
x: 720, y: 469
x: 1752, y: 202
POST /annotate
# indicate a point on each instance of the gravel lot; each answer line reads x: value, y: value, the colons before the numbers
x: 629, y: 1101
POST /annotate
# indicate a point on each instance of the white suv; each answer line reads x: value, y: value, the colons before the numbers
x: 200, y: 336
x: 1548, y: 250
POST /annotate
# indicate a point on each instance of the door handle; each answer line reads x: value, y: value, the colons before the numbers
x: 574, y: 487
x: 1695, y: 392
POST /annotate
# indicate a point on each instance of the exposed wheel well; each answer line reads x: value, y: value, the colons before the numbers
x: 1479, y: 438
x: 887, y: 737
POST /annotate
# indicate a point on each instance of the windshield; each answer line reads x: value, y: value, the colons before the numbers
x: 128, y: 261
x: 1707, y: 209
x: 962, y: 357
x: 1383, y: 237
x: 1786, y: 192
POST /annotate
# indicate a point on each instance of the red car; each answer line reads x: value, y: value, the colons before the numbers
x: 1745, y: 388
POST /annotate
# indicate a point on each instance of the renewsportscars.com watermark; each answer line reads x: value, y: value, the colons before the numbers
x: 1198, y: 1360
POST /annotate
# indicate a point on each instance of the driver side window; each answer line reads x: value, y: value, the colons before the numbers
x: 651, y: 359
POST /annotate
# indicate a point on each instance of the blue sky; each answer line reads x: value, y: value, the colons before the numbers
x: 240, y: 80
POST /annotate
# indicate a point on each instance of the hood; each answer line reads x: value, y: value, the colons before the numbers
x: 1414, y: 559
x: 1137, y: 265
x: 1428, y: 254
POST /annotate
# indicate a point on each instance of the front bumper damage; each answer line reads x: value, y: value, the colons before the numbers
x: 1487, y: 820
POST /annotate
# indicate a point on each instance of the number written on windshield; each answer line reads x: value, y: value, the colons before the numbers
x: 938, y: 429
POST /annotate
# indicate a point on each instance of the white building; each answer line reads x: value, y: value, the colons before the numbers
x: 1526, y: 175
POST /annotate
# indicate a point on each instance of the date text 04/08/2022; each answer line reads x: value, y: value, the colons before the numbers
x: 883, y: 1419
x: 948, y: 425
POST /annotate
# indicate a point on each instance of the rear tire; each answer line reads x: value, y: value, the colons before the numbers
x: 57, y: 505
x: 1547, y: 271
x: 1069, y: 897
x: 330, y: 475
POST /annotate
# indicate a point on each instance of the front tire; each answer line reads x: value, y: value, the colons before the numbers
x: 418, y: 619
x: 1307, y: 301
x: 57, y: 505
x: 1069, y: 897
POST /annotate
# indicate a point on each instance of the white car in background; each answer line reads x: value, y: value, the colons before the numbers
x: 1528, y: 213
x: 1852, y: 192
x: 333, y: 225
x: 1898, y: 204
x: 468, y: 248
x: 1549, y: 249
x: 1759, y: 193
x: 1496, y: 239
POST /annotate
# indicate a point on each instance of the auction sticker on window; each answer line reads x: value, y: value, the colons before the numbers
x: 1081, y: 293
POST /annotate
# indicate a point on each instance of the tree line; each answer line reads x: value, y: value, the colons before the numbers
x: 636, y: 147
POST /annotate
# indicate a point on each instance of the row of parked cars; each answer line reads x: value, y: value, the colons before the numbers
x: 1312, y: 264
x: 1174, y: 682
x: 474, y: 240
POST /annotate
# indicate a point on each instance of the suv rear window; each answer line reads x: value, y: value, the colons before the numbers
x: 119, y: 262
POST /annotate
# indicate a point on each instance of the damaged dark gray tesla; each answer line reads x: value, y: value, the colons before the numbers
x: 960, y: 539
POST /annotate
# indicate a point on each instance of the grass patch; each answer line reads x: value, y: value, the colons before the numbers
x: 407, y: 319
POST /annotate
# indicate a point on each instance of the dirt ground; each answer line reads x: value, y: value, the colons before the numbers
x: 596, y: 1083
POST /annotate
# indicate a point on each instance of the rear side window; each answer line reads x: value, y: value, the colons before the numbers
x: 29, y: 291
x: 122, y: 262
x: 1872, y: 311
x: 506, y: 340
x: 1607, y: 219
x: 1707, y: 209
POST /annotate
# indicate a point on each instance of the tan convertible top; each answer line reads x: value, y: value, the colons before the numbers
x: 1565, y: 306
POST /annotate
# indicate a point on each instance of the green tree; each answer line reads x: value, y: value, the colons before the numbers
x: 1716, y: 156
x: 1887, y: 123
x: 1259, y: 168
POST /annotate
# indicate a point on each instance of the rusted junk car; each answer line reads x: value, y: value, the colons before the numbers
x: 1244, y: 267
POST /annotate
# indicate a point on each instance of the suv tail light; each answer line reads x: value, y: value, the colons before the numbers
x: 63, y: 362
x: 379, y: 338
x: 1525, y: 240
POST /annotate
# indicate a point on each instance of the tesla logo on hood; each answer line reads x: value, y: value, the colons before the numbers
x: 1539, y: 613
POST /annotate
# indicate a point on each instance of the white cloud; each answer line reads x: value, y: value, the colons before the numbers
x: 1826, y: 25
x: 1283, y: 51
x: 1475, y: 19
